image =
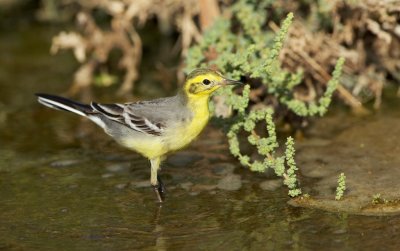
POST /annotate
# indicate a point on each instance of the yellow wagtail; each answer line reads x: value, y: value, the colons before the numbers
x: 153, y: 128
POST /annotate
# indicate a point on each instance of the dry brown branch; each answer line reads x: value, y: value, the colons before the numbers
x: 365, y: 33
x: 93, y: 43
x: 316, y: 55
x: 209, y: 12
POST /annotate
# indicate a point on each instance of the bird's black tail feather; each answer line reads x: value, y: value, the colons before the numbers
x: 64, y: 104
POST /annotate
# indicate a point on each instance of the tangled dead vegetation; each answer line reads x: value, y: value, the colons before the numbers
x: 366, y: 33
x: 93, y: 42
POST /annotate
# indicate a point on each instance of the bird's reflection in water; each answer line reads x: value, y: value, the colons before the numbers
x: 161, y: 240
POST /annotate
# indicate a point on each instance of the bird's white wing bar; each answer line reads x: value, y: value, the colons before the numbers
x: 142, y: 124
x: 152, y: 126
x: 97, y: 120
x: 122, y: 114
x: 110, y: 110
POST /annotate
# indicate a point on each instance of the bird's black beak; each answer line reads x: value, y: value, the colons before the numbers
x: 231, y: 82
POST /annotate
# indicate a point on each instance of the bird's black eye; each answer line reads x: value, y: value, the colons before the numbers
x: 206, y: 81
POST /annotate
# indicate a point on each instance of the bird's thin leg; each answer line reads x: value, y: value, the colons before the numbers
x: 155, y: 180
x: 161, y: 186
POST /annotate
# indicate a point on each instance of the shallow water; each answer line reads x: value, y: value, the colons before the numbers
x: 365, y: 149
x: 66, y: 186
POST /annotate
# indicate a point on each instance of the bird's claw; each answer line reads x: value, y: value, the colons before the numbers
x: 159, y: 189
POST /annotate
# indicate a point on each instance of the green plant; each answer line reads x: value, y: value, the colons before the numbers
x: 341, y: 187
x: 239, y: 47
x: 265, y: 147
x: 376, y: 199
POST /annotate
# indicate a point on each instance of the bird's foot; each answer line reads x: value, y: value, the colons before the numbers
x: 159, y: 189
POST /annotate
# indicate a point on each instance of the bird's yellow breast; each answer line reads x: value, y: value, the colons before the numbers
x: 191, y: 129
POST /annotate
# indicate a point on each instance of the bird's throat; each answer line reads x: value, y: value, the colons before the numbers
x: 201, y: 115
x: 199, y: 107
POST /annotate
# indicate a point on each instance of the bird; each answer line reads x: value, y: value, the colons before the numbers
x: 153, y: 128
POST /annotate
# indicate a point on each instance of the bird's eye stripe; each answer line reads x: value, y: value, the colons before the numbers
x: 206, y: 82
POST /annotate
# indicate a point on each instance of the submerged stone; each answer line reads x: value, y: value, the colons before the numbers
x: 203, y: 187
x: 186, y: 185
x: 65, y: 163
x: 121, y: 186
x: 140, y: 184
x: 231, y: 182
x: 183, y: 159
x: 119, y: 167
x: 271, y: 185
x: 223, y: 168
x: 107, y: 175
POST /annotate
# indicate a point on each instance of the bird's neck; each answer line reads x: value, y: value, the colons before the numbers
x: 197, y: 104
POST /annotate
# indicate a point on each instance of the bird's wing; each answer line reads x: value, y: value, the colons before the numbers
x: 132, y: 118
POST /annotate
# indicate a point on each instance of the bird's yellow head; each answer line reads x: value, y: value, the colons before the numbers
x: 203, y: 82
